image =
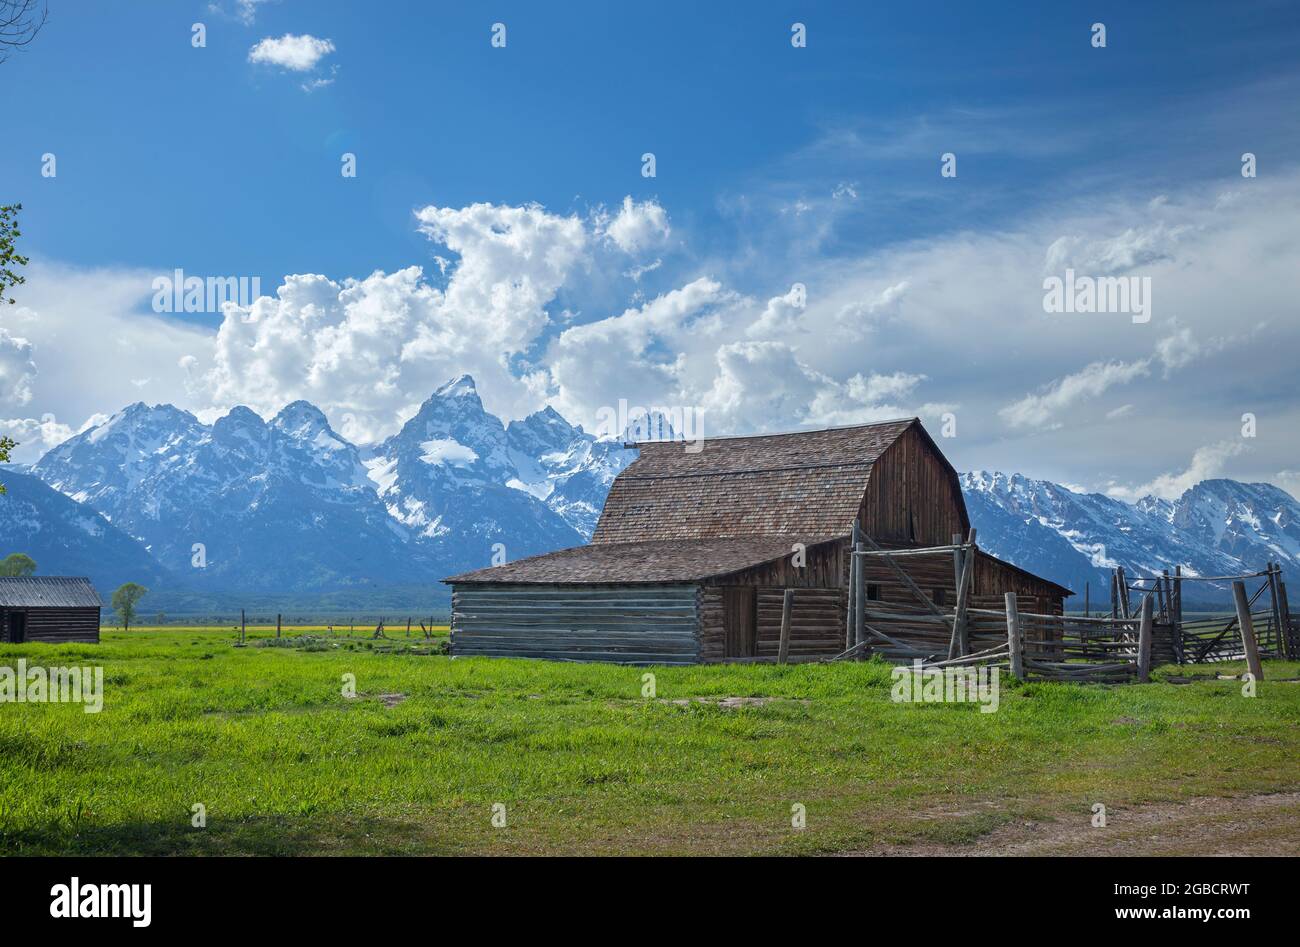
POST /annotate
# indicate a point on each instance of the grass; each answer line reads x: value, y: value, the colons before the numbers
x: 284, y: 763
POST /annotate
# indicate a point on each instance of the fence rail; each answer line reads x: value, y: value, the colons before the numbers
x: 1117, y: 648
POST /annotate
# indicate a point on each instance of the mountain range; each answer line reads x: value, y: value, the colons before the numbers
x: 285, y: 512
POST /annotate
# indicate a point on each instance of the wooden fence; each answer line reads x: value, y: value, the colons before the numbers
x: 1118, y: 648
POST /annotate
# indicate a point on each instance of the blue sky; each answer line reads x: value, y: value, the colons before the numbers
x: 774, y: 165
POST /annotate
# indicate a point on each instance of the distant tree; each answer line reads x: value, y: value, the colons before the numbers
x: 17, y: 565
x: 10, y: 258
x: 125, y: 600
x: 20, y: 21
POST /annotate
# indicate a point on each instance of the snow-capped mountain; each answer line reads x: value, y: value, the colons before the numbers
x: 242, y: 503
x: 1218, y: 527
x: 462, y: 482
x: 64, y: 536
x: 288, y: 506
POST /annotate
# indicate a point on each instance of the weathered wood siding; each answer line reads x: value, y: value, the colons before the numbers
x: 816, y: 622
x: 54, y: 625
x: 629, y: 624
x: 912, y: 495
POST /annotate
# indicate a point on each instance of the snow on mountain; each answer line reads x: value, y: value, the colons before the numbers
x: 569, y: 470
x: 1218, y: 527
x: 289, y: 505
x: 69, y: 538
x: 242, y: 503
x: 466, y: 484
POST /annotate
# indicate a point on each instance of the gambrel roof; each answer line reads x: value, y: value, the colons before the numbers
x: 807, y: 483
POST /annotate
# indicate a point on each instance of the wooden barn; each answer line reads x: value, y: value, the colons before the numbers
x: 694, y: 551
x: 56, y: 609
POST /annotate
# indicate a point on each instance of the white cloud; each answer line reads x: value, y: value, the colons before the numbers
x: 1207, y: 462
x: 780, y: 317
x: 17, y: 370
x: 245, y: 11
x: 638, y: 227
x: 533, y: 305
x: 34, y: 436
x: 1035, y: 410
x: 88, y: 339
x: 292, y: 52
x: 760, y: 386
x: 1102, y: 255
x: 368, y: 351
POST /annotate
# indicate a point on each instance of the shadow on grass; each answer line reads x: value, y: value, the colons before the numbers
x: 262, y: 835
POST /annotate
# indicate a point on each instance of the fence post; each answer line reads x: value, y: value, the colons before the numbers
x: 1144, y: 639
x: 278, y: 616
x: 1247, y: 629
x: 783, y: 650
x: 1288, y: 641
x: 859, y: 592
x: 850, y: 618
x: 1273, y: 575
x: 959, y: 645
x: 1014, y: 643
x: 1178, y: 612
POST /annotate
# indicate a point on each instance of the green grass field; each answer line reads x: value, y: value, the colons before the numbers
x: 284, y: 763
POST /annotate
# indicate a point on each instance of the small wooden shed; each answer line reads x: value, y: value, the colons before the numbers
x: 56, y: 609
x: 695, y: 549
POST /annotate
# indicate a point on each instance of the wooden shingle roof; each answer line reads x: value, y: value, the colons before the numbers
x: 48, y: 591
x: 654, y: 561
x: 808, y: 484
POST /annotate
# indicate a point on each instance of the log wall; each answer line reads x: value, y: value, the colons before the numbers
x: 55, y: 625
x: 629, y: 624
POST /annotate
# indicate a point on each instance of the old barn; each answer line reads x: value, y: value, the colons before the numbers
x: 56, y: 609
x: 695, y: 550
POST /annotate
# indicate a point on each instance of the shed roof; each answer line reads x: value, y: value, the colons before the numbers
x: 806, y: 483
x: 652, y: 561
x: 48, y: 591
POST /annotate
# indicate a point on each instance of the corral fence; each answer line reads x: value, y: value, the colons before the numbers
x: 1115, y: 648
x: 1260, y: 596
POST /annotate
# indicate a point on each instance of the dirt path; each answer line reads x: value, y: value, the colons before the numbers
x: 1266, y: 824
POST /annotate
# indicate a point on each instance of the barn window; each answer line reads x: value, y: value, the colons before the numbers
x: 937, y: 595
x: 873, y: 593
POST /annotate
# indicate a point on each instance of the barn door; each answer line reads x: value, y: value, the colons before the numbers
x: 740, y: 619
x: 17, y: 627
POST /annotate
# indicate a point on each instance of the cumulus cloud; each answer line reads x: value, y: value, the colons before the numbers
x: 512, y: 302
x: 638, y: 226
x: 292, y: 52
x: 781, y: 315
x: 760, y: 386
x: 370, y: 350
x: 644, y: 354
x: 34, y: 436
x: 861, y: 316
